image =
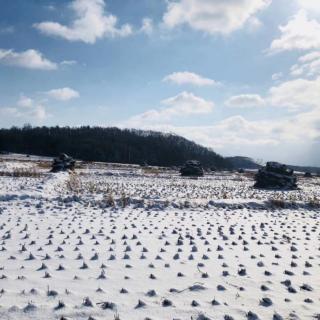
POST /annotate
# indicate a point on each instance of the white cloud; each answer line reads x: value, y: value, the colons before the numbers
x: 68, y: 62
x: 300, y: 33
x: 254, y: 24
x: 312, y: 5
x: 277, y: 76
x: 308, y: 65
x: 38, y: 112
x: 29, y: 59
x: 186, y: 77
x: 188, y: 103
x: 245, y: 101
x: 296, y: 94
x: 63, y: 94
x: 212, y: 16
x: 25, y: 102
x: 236, y: 135
x: 26, y: 109
x: 310, y: 56
x: 182, y: 105
x: 9, y: 112
x: 272, y: 139
x: 7, y: 30
x: 90, y: 24
x: 147, y: 26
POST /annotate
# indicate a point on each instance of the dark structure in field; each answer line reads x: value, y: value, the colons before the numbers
x: 276, y: 176
x: 63, y: 163
x: 192, y: 168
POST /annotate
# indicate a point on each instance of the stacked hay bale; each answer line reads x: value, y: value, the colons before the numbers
x: 192, y: 168
x: 63, y: 163
x: 276, y: 176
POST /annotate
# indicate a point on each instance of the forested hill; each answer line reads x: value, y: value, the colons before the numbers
x: 108, y: 145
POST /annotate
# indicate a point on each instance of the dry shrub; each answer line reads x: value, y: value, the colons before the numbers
x: 92, y: 187
x: 249, y: 174
x: 150, y: 170
x: 21, y: 173
x: 225, y: 195
x: 314, y: 202
x: 109, y: 200
x: 82, y: 164
x: 124, y: 200
x: 44, y: 165
x: 278, y: 203
x: 238, y: 179
x: 116, y: 316
x: 74, y: 183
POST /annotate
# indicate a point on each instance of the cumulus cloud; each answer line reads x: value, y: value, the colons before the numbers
x: 308, y: 65
x: 63, y: 94
x: 229, y: 135
x: 29, y: 59
x: 213, y: 16
x: 312, y: 5
x: 147, y: 26
x: 245, y: 101
x: 183, y: 104
x: 300, y: 33
x: 238, y: 135
x: 296, y: 94
x: 25, y: 109
x: 254, y: 24
x: 185, y: 77
x: 188, y: 103
x: 90, y: 24
x: 25, y: 102
x: 277, y: 76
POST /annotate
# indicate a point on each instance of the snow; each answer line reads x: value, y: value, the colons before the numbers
x: 167, y: 248
x: 14, y: 165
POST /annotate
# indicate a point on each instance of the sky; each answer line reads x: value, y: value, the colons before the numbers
x: 239, y: 76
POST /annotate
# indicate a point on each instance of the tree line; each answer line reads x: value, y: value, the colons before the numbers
x: 109, y: 145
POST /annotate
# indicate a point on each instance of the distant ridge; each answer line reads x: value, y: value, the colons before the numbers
x: 243, y: 163
x: 248, y: 163
x: 305, y: 169
x: 109, y: 145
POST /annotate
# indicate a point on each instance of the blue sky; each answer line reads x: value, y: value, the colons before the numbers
x: 239, y: 76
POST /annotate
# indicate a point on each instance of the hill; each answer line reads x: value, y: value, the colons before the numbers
x: 109, y: 145
x: 243, y: 163
x: 315, y: 170
x: 248, y: 163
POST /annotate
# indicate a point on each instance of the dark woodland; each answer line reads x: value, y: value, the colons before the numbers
x: 109, y: 145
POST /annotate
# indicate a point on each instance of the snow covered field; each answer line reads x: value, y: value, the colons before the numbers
x: 130, y: 243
